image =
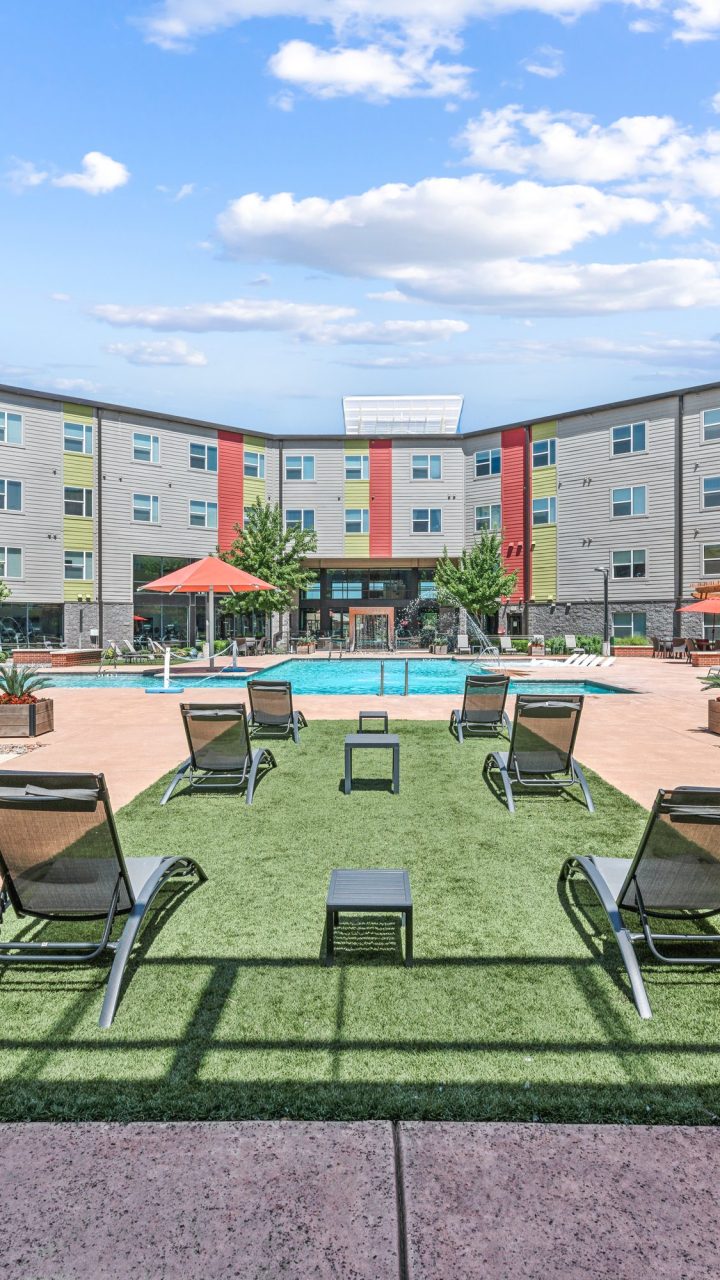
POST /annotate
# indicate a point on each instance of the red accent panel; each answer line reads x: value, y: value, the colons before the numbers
x: 381, y: 497
x: 230, y: 486
x: 512, y: 488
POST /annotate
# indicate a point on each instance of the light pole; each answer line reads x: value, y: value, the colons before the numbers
x: 601, y: 568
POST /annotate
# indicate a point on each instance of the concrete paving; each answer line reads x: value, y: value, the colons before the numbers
x: 257, y: 1201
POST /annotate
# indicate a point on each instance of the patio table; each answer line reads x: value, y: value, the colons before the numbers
x: 361, y: 891
x: 360, y: 741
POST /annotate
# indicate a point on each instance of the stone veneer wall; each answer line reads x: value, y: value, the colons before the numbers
x: 118, y: 622
x: 586, y: 618
x: 90, y: 615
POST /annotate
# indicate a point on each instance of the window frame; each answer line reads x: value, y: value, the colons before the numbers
x: 550, y: 443
x: 302, y: 512
x: 429, y: 457
x: 709, y: 573
x: 713, y: 506
x: 364, y: 513
x: 206, y: 503
x: 631, y: 515
x: 206, y: 446
x: 154, y: 508
x: 154, y: 448
x: 69, y: 551
x: 632, y: 614
x: 714, y: 425
x: 84, y: 514
x: 11, y: 413
x: 629, y: 426
x: 4, y: 508
x: 490, y: 507
x: 492, y: 454
x: 631, y: 576
x: 12, y: 577
x: 551, y: 500
x: 429, y: 532
x: 260, y: 455
x: 302, y: 478
x: 87, y: 434
x: 364, y: 460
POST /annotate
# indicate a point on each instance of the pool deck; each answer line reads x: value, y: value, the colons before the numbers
x: 654, y: 736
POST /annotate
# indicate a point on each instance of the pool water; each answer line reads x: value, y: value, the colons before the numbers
x: 348, y: 676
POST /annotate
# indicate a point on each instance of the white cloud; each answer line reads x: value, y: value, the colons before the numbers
x: 677, y: 356
x: 182, y: 192
x: 24, y: 175
x: 60, y: 297
x: 446, y: 223
x: 172, y: 351
x: 373, y: 72
x: 653, y: 150
x: 546, y: 62
x: 80, y: 386
x: 643, y: 27
x: 715, y: 104
x: 396, y: 332
x: 98, y: 175
x: 698, y: 20
x: 388, y: 295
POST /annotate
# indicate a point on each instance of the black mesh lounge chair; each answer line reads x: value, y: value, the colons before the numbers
x: 221, y: 753
x: 541, y: 747
x: 60, y: 859
x: 271, y: 707
x: 675, y: 875
x: 483, y: 709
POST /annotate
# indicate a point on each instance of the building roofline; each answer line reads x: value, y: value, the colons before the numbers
x: 106, y: 406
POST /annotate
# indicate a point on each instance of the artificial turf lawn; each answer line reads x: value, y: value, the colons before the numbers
x: 517, y: 1008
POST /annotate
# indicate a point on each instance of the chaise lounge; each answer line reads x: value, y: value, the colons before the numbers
x: 541, y: 747
x: 483, y: 709
x: 271, y: 707
x: 675, y: 875
x: 61, y: 860
x: 221, y: 753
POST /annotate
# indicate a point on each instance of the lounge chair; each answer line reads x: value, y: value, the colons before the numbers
x: 675, y: 875
x: 126, y: 655
x: 506, y: 644
x: 483, y: 709
x: 271, y: 707
x: 572, y: 645
x: 541, y: 747
x: 221, y: 754
x: 463, y: 644
x: 60, y: 859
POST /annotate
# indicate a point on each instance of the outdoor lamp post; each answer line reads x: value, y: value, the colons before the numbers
x: 601, y: 568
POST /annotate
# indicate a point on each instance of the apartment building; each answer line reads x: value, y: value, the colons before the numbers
x: 97, y: 499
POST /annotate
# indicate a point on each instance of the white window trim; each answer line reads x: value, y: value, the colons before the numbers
x: 428, y: 479
x: 80, y: 453
x: 703, y: 504
x: 204, y: 444
x: 646, y: 513
x: 257, y: 453
x: 364, y: 466
x: 301, y: 479
x: 489, y: 475
x: 703, y: 572
x: 490, y: 527
x: 75, y: 551
x: 426, y: 533
x: 632, y: 614
x: 543, y: 466
x: 303, y: 511
x: 360, y: 533
x: 631, y: 578
x: 86, y: 488
x: 16, y: 577
x: 142, y: 462
x: 703, y: 441
x: 155, y: 523
x: 11, y: 444
x: 13, y: 511
x: 634, y: 453
x: 544, y: 524
x: 205, y: 502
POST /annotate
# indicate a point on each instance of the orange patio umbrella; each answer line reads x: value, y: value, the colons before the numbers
x: 710, y: 605
x: 206, y: 577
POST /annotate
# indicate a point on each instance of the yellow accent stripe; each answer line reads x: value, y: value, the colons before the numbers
x: 78, y: 413
x: 544, y: 430
x: 544, y: 562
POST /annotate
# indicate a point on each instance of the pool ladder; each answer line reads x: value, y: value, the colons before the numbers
x: 406, y: 688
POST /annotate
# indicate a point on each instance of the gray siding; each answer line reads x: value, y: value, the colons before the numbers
x: 324, y: 494
x: 699, y: 460
x: 38, y: 529
x: 172, y: 481
x: 587, y: 474
x: 447, y: 494
x: 481, y: 490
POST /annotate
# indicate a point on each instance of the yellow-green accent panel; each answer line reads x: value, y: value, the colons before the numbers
x: 544, y: 430
x: 255, y: 443
x: 78, y: 413
x: 78, y: 588
x: 357, y: 446
x: 78, y: 533
x: 544, y: 562
x: 78, y: 470
x: 357, y: 544
x: 357, y: 493
x: 544, y: 482
x: 252, y: 490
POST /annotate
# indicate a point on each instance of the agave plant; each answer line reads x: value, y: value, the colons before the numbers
x: 20, y: 684
x: 711, y: 682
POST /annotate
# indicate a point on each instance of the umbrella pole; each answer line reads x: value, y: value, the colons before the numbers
x: 211, y: 627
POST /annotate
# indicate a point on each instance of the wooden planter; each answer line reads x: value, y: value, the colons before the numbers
x: 26, y: 719
x: 714, y: 715
x: 536, y: 650
x: 633, y: 650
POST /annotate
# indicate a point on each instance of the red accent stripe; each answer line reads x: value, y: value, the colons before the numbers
x: 512, y: 489
x: 381, y: 497
x: 230, y: 486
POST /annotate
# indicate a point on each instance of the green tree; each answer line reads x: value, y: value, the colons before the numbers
x: 478, y: 580
x: 5, y: 591
x: 265, y: 548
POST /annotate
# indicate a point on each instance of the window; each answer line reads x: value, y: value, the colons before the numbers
x: 77, y: 437
x: 78, y: 566
x: 357, y: 466
x: 488, y: 517
x: 428, y: 591
x: 487, y: 462
x: 146, y: 508
x: 426, y: 466
x: 543, y: 453
x: 357, y: 520
x: 253, y: 464
x: 299, y: 466
x: 11, y: 427
x: 629, y: 564
x: 203, y: 515
x: 11, y: 565
x: 711, y: 560
x: 544, y: 511
x: 711, y: 492
x: 203, y: 457
x: 629, y: 438
x: 299, y: 519
x: 78, y: 502
x: 630, y: 502
x: 146, y: 448
x: 711, y: 425
x: 10, y: 495
x: 427, y: 520
x: 346, y: 590
x: 629, y: 624
x: 312, y: 591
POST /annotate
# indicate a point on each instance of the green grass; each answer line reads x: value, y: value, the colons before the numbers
x: 517, y: 1008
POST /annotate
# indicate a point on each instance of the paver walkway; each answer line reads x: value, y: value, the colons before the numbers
x: 371, y: 1201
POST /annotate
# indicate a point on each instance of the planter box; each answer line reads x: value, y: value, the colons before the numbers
x: 438, y: 649
x: 26, y: 719
x: 536, y: 650
x: 632, y: 650
x: 714, y: 715
x: 58, y: 657
x: 710, y: 658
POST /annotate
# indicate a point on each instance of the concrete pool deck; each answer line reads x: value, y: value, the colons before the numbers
x: 654, y: 736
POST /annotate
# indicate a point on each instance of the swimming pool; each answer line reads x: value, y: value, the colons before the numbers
x: 349, y: 676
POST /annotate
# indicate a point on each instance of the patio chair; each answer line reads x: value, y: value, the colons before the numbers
x: 221, y: 753
x: 506, y: 644
x: 462, y: 644
x: 675, y: 875
x: 572, y: 645
x: 124, y: 652
x: 271, y: 707
x: 541, y: 747
x: 483, y: 709
x: 61, y: 860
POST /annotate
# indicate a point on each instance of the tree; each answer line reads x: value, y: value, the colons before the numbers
x: 265, y: 548
x: 478, y: 580
x: 5, y: 591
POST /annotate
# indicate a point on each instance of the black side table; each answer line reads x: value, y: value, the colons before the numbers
x: 373, y: 715
x: 360, y: 891
x: 358, y: 741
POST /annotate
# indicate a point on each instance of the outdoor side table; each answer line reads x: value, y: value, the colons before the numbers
x: 373, y: 715
x: 361, y: 891
x: 358, y: 741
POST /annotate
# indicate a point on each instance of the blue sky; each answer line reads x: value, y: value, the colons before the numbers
x: 244, y: 209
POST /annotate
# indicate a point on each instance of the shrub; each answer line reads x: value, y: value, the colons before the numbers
x: 555, y: 644
x: 591, y: 644
x: 633, y: 641
x: 20, y: 684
